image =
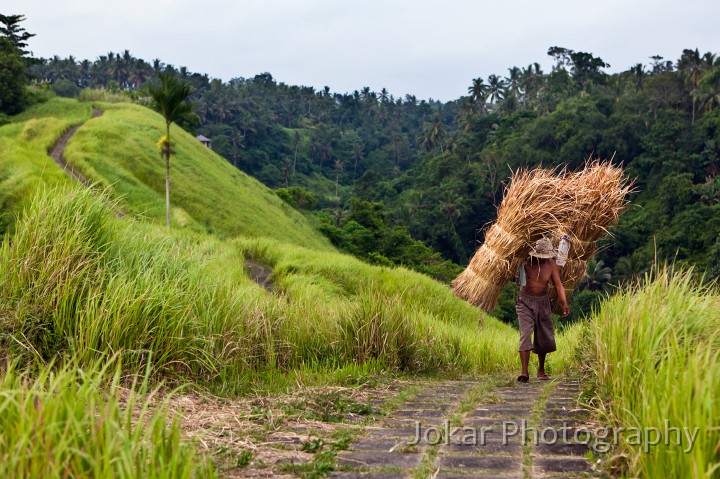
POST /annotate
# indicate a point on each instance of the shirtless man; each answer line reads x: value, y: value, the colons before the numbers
x: 533, y: 307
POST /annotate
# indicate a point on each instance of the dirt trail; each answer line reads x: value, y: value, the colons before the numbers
x: 260, y: 273
x: 58, y: 152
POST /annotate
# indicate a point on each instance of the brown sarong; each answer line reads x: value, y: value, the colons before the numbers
x: 535, y: 314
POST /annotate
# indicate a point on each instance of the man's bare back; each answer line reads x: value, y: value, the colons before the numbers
x: 538, y: 274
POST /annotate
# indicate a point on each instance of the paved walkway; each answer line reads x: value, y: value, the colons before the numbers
x: 523, y: 431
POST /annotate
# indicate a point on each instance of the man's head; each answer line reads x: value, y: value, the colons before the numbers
x: 543, y: 250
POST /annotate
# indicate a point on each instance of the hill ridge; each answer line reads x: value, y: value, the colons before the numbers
x: 208, y: 194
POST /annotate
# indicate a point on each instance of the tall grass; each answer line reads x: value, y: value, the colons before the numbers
x: 406, y: 318
x: 72, y: 422
x: 657, y: 347
x: 102, y: 95
x: 76, y: 280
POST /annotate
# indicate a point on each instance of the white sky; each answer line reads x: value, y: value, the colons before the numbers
x: 432, y: 49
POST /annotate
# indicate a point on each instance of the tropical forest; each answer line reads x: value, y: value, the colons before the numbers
x: 251, y: 278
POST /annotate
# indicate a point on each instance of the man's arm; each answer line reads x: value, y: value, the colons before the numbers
x: 555, y: 276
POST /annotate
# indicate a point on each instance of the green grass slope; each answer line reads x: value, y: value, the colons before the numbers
x: 119, y: 150
x: 24, y: 163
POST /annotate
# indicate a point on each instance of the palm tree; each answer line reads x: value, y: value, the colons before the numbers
x: 286, y: 169
x: 496, y: 90
x: 638, y: 75
x: 513, y: 81
x: 692, y: 64
x: 464, y: 117
x: 531, y: 83
x: 630, y: 267
x: 338, y: 170
x: 478, y: 91
x: 169, y: 98
x: 596, y: 277
x: 357, y: 155
x: 433, y: 134
x: 710, y: 90
x: 384, y: 95
x: 295, y: 145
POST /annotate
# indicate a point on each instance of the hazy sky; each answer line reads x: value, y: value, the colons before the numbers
x: 432, y: 49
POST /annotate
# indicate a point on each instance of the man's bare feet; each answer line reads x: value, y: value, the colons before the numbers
x: 542, y: 376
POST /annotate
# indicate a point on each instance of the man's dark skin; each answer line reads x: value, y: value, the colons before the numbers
x: 538, y: 274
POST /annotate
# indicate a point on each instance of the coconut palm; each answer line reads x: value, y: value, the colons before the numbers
x: 531, y: 83
x: 496, y: 90
x: 338, y: 170
x: 297, y: 139
x: 357, y: 155
x: 691, y: 63
x: 169, y: 98
x: 433, y: 134
x: 631, y: 267
x: 710, y: 90
x: 478, y: 90
x: 513, y: 81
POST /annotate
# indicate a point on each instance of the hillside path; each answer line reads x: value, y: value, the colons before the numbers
x: 508, y: 432
x: 58, y: 151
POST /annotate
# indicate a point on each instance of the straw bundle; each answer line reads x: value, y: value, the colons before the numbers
x: 535, y: 203
x: 601, y: 191
x: 483, y: 279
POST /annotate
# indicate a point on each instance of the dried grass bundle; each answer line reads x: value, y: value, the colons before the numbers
x: 601, y: 190
x: 481, y: 291
x: 535, y: 203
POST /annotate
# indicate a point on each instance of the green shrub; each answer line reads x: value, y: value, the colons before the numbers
x: 298, y: 197
x: 66, y: 88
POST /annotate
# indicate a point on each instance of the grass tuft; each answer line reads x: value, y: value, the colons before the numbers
x: 657, y: 347
x: 73, y: 422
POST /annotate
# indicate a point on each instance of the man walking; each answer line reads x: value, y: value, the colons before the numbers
x: 533, y: 307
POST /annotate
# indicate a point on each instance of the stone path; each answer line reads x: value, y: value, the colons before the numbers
x: 458, y: 430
